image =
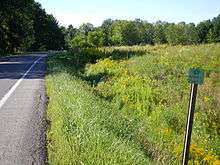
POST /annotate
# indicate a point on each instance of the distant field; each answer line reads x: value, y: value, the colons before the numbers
x: 128, y: 105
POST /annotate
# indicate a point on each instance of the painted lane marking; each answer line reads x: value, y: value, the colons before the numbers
x: 10, y: 92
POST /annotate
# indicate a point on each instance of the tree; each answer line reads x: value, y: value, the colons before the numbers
x: 79, y: 40
x: 182, y: 33
x: 16, y: 27
x: 48, y: 34
x: 116, y: 36
x: 107, y: 30
x: 216, y: 28
x: 24, y: 25
x: 86, y: 28
x: 211, y: 36
x: 160, y: 32
x: 130, y: 34
x: 69, y: 33
x: 55, y: 37
x: 203, y: 29
x: 175, y: 34
x: 124, y: 33
x: 96, y: 38
x: 147, y: 33
x: 191, y: 34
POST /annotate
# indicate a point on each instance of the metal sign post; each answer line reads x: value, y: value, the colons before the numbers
x: 196, y: 77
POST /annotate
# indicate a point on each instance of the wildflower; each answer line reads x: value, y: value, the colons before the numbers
x: 209, y: 158
x: 167, y: 130
x: 216, y: 162
x: 196, y: 162
x: 206, y: 98
x: 178, y: 149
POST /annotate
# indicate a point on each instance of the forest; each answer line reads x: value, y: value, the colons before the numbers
x: 25, y: 26
x: 140, y: 32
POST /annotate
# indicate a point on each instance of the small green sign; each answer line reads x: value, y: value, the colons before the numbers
x: 196, y: 76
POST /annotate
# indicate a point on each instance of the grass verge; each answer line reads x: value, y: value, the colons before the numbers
x: 134, y: 100
x: 80, y: 130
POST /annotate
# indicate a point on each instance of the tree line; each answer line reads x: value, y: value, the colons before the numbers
x: 138, y: 32
x: 25, y: 26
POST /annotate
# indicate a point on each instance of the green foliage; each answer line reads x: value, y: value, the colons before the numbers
x: 203, y: 29
x: 191, y: 34
x: 159, y: 79
x: 117, y: 36
x: 86, y: 28
x: 210, y: 36
x: 107, y: 30
x: 79, y: 40
x: 216, y: 28
x: 160, y: 33
x: 82, y: 130
x: 130, y: 35
x: 175, y: 34
x: 96, y: 38
x: 147, y: 33
x: 139, y: 32
x: 48, y: 35
x: 16, y: 26
x: 184, y: 34
x: 25, y: 26
x: 140, y: 100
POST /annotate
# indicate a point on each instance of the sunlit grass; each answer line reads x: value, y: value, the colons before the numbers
x: 80, y: 130
x: 133, y: 100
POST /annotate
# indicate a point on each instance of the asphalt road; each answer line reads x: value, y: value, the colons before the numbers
x: 22, y: 110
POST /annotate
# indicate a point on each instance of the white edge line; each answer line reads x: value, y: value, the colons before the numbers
x: 6, y: 96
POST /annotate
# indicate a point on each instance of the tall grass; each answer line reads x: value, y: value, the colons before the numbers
x: 135, y: 97
x: 82, y: 125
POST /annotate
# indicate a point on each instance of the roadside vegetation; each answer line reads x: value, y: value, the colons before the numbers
x: 128, y: 105
x: 111, y: 102
x: 141, y: 32
x: 25, y: 26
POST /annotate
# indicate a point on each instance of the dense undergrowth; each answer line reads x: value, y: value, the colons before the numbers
x: 128, y: 105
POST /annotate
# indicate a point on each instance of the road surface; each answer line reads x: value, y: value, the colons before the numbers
x: 22, y: 110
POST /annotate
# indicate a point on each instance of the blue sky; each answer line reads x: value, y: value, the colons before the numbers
x: 77, y: 12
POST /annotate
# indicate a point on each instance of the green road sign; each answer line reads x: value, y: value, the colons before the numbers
x: 196, y: 76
